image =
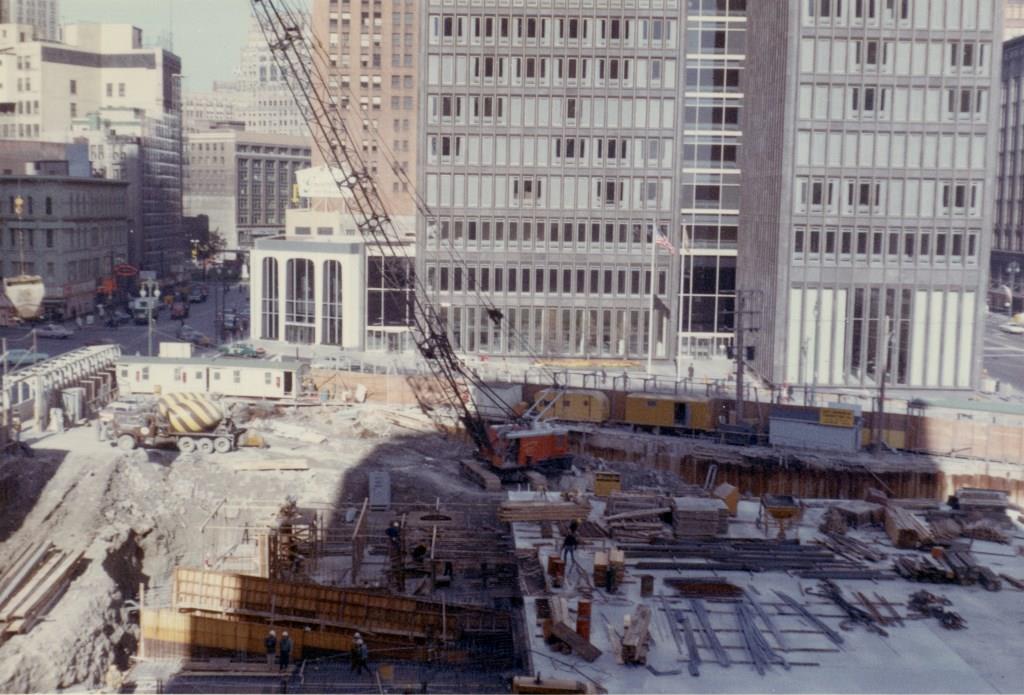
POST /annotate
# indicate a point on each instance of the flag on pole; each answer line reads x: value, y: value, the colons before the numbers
x: 662, y: 241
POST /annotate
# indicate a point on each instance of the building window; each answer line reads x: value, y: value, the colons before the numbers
x: 270, y: 294
x: 299, y: 302
x: 332, y: 304
x: 120, y: 89
x: 73, y: 87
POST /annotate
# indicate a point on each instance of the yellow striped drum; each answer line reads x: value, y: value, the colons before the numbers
x: 189, y: 412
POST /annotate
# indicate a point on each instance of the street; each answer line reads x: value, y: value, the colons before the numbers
x: 133, y: 339
x: 1004, y: 352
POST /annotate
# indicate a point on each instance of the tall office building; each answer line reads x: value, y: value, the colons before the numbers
x: 549, y: 158
x: 101, y: 84
x: 373, y: 76
x: 867, y: 196
x: 42, y: 15
x: 1007, y: 267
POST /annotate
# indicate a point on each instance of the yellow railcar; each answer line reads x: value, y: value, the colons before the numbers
x: 668, y: 412
x: 575, y: 405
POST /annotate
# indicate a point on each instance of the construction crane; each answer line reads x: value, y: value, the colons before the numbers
x: 524, y: 439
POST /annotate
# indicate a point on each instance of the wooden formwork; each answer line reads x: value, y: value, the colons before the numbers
x: 375, y: 612
x: 169, y: 634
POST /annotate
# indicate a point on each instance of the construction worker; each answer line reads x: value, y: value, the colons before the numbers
x: 360, y: 656
x: 285, y: 656
x: 394, y: 533
x: 270, y: 642
x: 570, y: 542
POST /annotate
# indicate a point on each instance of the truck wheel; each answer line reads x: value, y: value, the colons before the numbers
x: 205, y: 446
x: 186, y: 445
x: 126, y: 442
x: 222, y: 445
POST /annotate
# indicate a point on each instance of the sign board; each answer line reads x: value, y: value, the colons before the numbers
x: 836, y: 417
x: 319, y: 182
x: 126, y: 271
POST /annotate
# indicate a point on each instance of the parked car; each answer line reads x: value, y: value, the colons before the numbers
x: 1012, y: 328
x: 197, y: 295
x: 54, y: 330
x: 241, y: 350
x: 19, y: 357
x: 200, y: 340
x: 118, y: 318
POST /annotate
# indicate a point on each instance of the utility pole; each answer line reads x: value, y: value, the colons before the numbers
x: 149, y: 330
x: 740, y: 347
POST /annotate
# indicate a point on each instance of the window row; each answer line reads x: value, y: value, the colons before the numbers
x: 543, y: 71
x: 485, y: 234
x: 545, y: 150
x: 909, y: 245
x: 549, y: 192
x: 555, y: 111
x: 892, y: 197
x: 552, y: 31
x: 898, y: 104
x: 907, y: 58
x: 557, y: 331
x: 716, y: 38
x: 635, y: 282
x: 896, y: 150
x: 938, y: 15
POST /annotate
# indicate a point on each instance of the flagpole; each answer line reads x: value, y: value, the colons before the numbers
x: 650, y: 323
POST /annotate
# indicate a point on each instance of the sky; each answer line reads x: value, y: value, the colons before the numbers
x: 208, y: 34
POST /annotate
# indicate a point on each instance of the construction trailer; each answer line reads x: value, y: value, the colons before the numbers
x: 241, y: 378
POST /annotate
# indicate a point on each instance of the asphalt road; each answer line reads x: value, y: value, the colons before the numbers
x: 1004, y: 353
x: 132, y: 338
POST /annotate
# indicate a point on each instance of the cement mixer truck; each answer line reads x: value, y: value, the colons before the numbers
x: 189, y: 421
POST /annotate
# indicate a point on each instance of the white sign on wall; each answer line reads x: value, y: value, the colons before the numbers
x: 319, y: 182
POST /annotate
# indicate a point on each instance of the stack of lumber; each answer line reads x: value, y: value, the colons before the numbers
x: 561, y: 636
x: 991, y: 503
x: 617, y: 565
x: 859, y: 513
x: 695, y: 517
x: 600, y: 568
x: 31, y: 585
x: 542, y: 511
x: 636, y: 637
x: 952, y: 566
x: 905, y: 530
x: 621, y: 502
x: 639, y: 525
x: 985, y: 530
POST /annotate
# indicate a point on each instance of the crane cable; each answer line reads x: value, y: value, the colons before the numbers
x: 286, y: 41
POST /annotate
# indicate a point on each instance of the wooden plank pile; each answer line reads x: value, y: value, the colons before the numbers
x: 560, y: 635
x: 951, y: 566
x: 620, y: 502
x: 990, y: 503
x: 542, y: 511
x: 31, y: 586
x: 637, y: 636
x: 696, y: 517
x: 905, y: 530
x: 639, y: 525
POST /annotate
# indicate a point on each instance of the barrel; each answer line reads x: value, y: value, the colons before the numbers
x: 646, y: 584
x: 583, y: 610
